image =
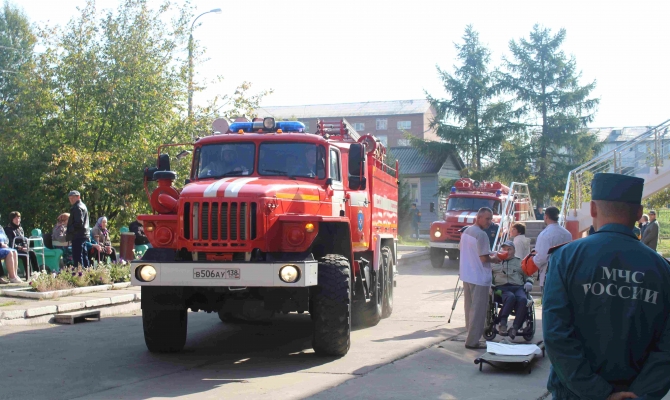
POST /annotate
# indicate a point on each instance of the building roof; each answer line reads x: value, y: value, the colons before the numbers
x: 618, y: 134
x: 396, y: 107
x: 413, y: 162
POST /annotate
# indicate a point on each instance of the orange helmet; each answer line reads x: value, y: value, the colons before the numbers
x: 528, y: 264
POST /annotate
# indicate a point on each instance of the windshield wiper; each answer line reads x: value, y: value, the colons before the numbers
x: 276, y: 171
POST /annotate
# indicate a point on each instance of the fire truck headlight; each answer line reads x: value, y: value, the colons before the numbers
x: 269, y: 123
x: 437, y: 234
x: 289, y: 273
x: 145, y: 273
x: 309, y: 227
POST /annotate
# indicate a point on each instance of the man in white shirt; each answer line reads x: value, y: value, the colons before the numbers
x: 475, y: 270
x: 551, y: 236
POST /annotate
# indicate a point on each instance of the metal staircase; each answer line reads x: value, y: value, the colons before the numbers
x: 517, y: 208
x: 643, y: 156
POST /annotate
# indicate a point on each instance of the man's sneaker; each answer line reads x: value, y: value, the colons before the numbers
x: 502, y: 329
x: 512, y: 333
x: 479, y: 345
x: 16, y: 280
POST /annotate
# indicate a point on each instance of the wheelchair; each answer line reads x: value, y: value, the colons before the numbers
x: 527, y: 329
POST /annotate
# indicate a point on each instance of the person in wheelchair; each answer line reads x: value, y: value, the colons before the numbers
x: 510, y: 281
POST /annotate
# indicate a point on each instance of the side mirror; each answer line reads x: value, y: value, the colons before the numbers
x: 357, y: 166
x: 432, y: 207
x: 183, y: 154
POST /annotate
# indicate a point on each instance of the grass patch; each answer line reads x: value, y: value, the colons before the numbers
x: 8, y: 303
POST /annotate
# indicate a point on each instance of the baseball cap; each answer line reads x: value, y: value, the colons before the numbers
x: 509, y: 243
x: 73, y: 193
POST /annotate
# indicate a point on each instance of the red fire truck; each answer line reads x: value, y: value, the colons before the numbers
x: 271, y: 219
x: 466, y: 198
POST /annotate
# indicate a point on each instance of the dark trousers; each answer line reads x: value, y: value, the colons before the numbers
x: 29, y: 256
x: 513, y: 298
x: 79, y: 257
x: 415, y: 230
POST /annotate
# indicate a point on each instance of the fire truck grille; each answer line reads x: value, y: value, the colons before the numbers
x: 219, y: 224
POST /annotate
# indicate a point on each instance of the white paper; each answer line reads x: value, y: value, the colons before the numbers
x: 512, y: 349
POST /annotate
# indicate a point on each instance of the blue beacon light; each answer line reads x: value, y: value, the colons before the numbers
x: 498, y: 193
x: 453, y: 189
x: 285, y: 126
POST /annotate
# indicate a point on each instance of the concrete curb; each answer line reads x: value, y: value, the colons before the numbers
x: 25, y: 293
x: 43, y: 314
x: 106, y: 311
x: 404, y: 247
x: 413, y: 257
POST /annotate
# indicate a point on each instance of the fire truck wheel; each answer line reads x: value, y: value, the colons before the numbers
x: 165, y: 330
x: 437, y: 257
x: 331, y: 307
x: 368, y: 312
x: 387, y: 260
x: 453, y: 254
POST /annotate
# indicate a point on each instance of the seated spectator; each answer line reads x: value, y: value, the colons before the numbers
x: 59, y: 238
x: 11, y: 259
x: 521, y: 242
x: 17, y: 240
x: 137, y: 228
x: 102, y: 247
x: 59, y: 233
x: 509, y: 278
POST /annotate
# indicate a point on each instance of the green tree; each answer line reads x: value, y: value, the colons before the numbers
x: 106, y: 90
x: 482, y: 120
x: 546, y: 86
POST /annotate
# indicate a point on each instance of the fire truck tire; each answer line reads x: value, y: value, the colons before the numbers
x: 331, y: 307
x: 369, y: 312
x: 437, y: 257
x: 453, y: 254
x: 387, y: 263
x: 165, y: 330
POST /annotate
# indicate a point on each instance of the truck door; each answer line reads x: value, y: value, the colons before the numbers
x: 335, y: 173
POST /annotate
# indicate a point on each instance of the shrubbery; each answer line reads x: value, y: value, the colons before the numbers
x: 99, y: 274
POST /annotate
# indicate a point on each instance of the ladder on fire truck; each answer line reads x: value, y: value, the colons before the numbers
x: 517, y: 208
x: 338, y: 130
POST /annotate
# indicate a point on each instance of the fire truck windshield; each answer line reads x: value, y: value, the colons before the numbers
x: 229, y: 159
x: 472, y: 204
x: 292, y: 160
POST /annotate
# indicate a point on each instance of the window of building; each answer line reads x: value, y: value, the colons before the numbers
x: 384, y: 139
x: 405, y: 125
x: 359, y: 126
x: 306, y: 125
x: 382, y: 124
x: 335, y: 173
x: 414, y: 191
x: 404, y: 142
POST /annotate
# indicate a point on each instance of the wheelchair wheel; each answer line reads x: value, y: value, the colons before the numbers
x: 531, y: 325
x: 490, y: 327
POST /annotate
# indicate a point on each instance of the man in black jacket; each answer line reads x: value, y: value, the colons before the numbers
x: 78, y: 229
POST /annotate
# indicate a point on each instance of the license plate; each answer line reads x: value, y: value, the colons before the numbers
x: 216, y: 273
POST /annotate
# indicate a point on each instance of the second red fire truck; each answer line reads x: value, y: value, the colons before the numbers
x: 466, y: 198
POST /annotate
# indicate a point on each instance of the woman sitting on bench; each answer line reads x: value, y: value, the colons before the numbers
x: 11, y: 259
x: 100, y: 234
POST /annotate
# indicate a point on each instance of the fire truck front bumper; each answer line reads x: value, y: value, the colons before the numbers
x: 228, y: 274
x: 444, y: 245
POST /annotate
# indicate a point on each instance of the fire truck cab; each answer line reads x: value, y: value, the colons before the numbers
x: 271, y: 219
x: 466, y: 198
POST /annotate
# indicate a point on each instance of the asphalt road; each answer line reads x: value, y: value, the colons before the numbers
x: 412, y: 354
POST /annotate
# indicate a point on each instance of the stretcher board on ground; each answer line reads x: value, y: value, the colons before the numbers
x: 495, y: 360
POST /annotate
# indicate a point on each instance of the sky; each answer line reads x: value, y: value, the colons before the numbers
x: 341, y: 51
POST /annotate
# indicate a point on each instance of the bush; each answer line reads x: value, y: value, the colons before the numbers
x: 68, y: 278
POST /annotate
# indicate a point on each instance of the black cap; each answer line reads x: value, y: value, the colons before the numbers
x: 617, y: 187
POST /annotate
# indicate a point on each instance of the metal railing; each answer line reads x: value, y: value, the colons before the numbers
x: 643, y: 154
x: 519, y: 195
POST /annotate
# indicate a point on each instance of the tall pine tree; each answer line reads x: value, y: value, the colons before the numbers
x: 557, y: 108
x: 472, y: 118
